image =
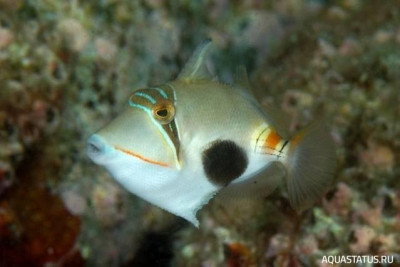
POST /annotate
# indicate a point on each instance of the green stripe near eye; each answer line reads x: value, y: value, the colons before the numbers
x: 161, y: 91
x: 152, y: 100
x: 134, y: 105
x: 173, y: 90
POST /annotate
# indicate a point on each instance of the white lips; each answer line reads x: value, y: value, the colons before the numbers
x: 98, y: 149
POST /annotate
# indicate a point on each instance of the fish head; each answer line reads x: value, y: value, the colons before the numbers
x: 140, y: 147
x: 145, y: 151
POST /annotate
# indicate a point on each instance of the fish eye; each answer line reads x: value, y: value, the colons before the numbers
x: 164, y: 113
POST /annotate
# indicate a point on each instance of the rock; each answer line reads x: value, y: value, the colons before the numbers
x: 74, y: 202
x: 106, y: 50
x: 383, y: 36
x: 6, y: 37
x: 337, y: 13
x: 350, y: 47
x: 6, y: 176
x: 364, y: 236
x: 377, y: 157
x: 107, y: 204
x: 326, y: 48
x: 74, y: 34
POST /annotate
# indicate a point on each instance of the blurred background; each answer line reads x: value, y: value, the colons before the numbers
x: 68, y: 67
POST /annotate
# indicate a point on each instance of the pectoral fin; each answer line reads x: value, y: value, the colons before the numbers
x: 259, y: 186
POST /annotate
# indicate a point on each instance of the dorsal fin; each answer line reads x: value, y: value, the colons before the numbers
x: 273, y: 116
x: 242, y: 79
x: 195, y: 68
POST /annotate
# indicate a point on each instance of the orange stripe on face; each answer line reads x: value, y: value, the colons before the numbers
x: 126, y: 151
x: 272, y: 140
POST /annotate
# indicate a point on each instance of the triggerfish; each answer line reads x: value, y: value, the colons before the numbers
x: 180, y: 143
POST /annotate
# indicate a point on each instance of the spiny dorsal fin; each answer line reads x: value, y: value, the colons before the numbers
x: 195, y: 68
x: 242, y: 80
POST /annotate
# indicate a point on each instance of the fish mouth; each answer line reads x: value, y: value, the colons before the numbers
x: 98, y: 149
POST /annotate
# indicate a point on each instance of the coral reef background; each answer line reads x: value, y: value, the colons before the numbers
x: 68, y: 67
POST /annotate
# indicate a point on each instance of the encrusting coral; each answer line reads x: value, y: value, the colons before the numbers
x: 68, y: 67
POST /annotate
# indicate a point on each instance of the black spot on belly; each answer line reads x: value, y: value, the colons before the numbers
x: 224, y: 161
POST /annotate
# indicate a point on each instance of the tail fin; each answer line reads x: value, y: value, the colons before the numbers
x: 311, y: 163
